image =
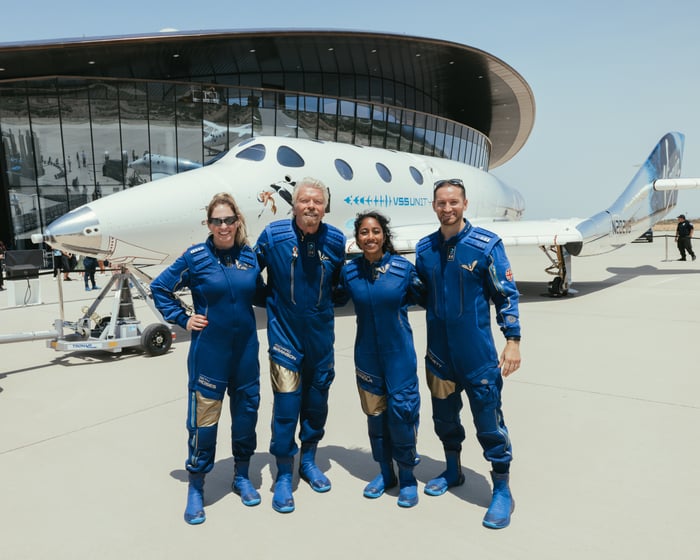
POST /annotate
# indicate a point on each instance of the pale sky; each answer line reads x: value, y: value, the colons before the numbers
x: 610, y: 78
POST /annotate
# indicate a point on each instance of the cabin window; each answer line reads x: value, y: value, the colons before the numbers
x: 384, y: 172
x: 344, y: 170
x: 288, y: 157
x: 417, y: 175
x: 254, y: 153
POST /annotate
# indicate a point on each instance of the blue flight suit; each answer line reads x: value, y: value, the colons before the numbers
x: 463, y: 275
x: 385, y: 358
x: 223, y: 357
x: 302, y: 271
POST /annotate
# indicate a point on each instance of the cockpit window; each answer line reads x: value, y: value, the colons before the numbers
x: 417, y: 175
x: 384, y: 172
x: 288, y: 157
x: 344, y: 169
x: 254, y: 153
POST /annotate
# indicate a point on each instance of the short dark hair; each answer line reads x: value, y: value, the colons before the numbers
x: 387, y: 246
x: 447, y: 182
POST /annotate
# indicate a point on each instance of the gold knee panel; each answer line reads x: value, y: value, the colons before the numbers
x: 283, y: 380
x: 439, y: 388
x: 208, y: 411
x: 372, y: 405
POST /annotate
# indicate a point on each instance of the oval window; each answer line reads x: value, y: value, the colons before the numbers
x: 417, y: 175
x: 384, y: 172
x: 344, y: 169
x: 254, y: 153
x: 288, y: 157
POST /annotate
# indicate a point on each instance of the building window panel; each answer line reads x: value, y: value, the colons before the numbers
x: 328, y: 119
x: 189, y: 133
x: 346, y: 123
x: 363, y: 124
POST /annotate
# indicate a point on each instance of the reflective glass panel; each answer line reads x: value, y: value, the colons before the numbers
x: 346, y: 125
x: 308, y: 117
x: 327, y: 119
x: 363, y: 125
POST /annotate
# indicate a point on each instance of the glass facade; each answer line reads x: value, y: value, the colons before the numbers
x: 66, y: 141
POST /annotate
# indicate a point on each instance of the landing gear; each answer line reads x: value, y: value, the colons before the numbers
x: 560, y: 267
x: 557, y: 287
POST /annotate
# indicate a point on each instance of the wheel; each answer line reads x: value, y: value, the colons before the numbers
x: 156, y: 339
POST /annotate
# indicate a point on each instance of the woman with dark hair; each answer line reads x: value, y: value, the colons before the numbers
x: 382, y: 285
x: 224, y: 280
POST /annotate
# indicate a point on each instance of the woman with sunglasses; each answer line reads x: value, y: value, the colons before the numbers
x: 382, y: 285
x: 224, y: 280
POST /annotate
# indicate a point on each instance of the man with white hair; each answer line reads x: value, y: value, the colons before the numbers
x: 303, y: 257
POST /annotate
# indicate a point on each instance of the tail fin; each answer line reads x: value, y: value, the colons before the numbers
x: 640, y: 205
x: 640, y: 202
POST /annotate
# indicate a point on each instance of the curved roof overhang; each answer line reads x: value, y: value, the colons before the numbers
x: 467, y: 85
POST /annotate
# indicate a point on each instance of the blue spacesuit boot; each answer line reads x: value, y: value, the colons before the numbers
x: 242, y: 485
x: 309, y: 472
x: 408, y: 493
x: 194, y: 512
x: 282, y: 498
x: 451, y: 476
x: 502, y: 503
x: 383, y: 481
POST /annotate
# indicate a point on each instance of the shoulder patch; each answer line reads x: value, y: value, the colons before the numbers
x: 425, y: 243
x: 398, y: 266
x: 199, y: 256
x: 247, y: 256
x: 280, y: 231
x: 335, y: 236
x: 352, y: 269
x: 481, y: 238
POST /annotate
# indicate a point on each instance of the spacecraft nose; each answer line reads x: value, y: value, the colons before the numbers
x: 76, y: 232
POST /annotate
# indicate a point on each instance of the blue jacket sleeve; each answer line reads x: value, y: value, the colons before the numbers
x: 261, y: 292
x: 341, y: 293
x: 417, y: 291
x: 259, y: 249
x: 503, y: 291
x: 163, y: 289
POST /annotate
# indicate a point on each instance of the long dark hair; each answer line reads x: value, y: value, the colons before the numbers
x: 387, y: 246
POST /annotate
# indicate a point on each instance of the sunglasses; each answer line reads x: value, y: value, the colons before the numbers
x: 443, y: 182
x: 228, y: 220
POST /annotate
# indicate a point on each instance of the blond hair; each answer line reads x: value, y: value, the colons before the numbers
x: 228, y: 200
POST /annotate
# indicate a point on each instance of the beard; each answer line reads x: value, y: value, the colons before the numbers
x: 449, y: 219
x: 310, y: 220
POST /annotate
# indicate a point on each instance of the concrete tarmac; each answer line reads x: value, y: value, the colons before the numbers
x: 604, y: 416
